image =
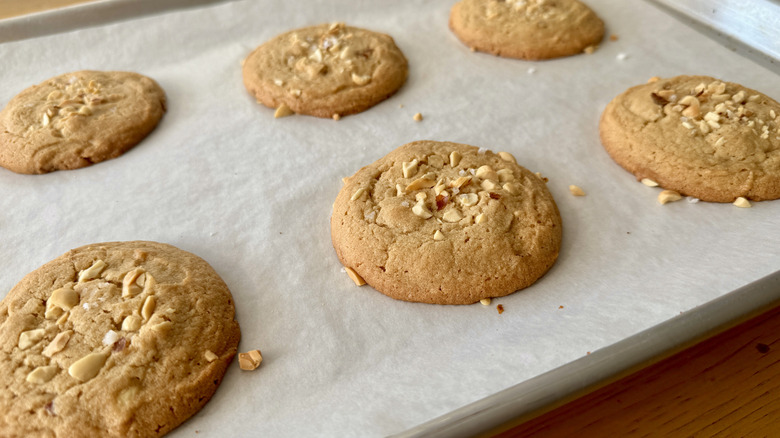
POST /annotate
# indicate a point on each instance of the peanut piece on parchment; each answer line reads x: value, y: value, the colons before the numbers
x: 250, y: 361
x: 576, y: 190
x: 355, y: 277
x: 668, y: 196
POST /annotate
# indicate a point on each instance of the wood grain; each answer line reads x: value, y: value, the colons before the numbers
x: 13, y: 8
x: 725, y: 386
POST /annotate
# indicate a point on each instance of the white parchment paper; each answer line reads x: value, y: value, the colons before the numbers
x: 252, y: 195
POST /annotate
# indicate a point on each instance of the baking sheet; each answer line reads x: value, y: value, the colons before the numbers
x: 252, y: 195
x: 755, y: 23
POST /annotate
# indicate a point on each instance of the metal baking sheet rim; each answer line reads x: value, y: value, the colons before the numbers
x: 83, y: 15
x: 600, y: 367
x: 736, y: 19
x: 754, y: 23
x: 540, y: 392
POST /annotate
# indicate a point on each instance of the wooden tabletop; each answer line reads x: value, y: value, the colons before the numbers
x: 725, y: 386
x: 13, y: 8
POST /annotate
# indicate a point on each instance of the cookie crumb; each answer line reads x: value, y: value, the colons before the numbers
x: 613, y: 37
x: 621, y: 56
x: 742, y: 203
x: 668, y: 196
x: 500, y: 309
x: 649, y: 183
x: 418, y: 117
x: 653, y: 79
x: 485, y: 301
x: 336, y: 116
x: 283, y: 111
x: 355, y: 277
x: 576, y: 191
x: 250, y: 361
x: 400, y: 105
x: 590, y: 49
x: 541, y: 177
x: 560, y: 307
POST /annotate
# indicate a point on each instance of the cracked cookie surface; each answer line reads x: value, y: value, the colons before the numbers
x: 526, y: 29
x: 325, y: 71
x: 114, y: 339
x: 78, y: 119
x: 697, y: 135
x: 446, y: 223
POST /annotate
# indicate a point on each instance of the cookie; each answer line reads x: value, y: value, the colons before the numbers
x: 78, y: 119
x: 446, y: 223
x: 526, y: 29
x: 113, y: 340
x: 697, y: 135
x: 330, y: 70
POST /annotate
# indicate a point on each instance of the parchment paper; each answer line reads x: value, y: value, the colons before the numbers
x: 252, y: 195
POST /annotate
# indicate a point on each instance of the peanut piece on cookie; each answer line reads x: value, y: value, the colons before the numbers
x: 446, y: 216
x: 325, y: 71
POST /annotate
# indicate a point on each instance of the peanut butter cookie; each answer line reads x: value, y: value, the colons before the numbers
x: 526, y: 29
x: 78, y: 119
x: 330, y: 70
x: 697, y: 135
x: 445, y: 223
x: 113, y: 340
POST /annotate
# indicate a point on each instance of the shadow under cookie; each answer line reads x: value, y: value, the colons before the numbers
x: 713, y: 140
x: 113, y: 339
x: 527, y: 29
x: 446, y: 223
x: 330, y: 70
x: 78, y: 119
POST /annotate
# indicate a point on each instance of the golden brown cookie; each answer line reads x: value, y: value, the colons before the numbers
x: 446, y: 223
x: 699, y: 136
x: 78, y: 119
x: 113, y: 340
x: 330, y: 70
x: 526, y: 29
